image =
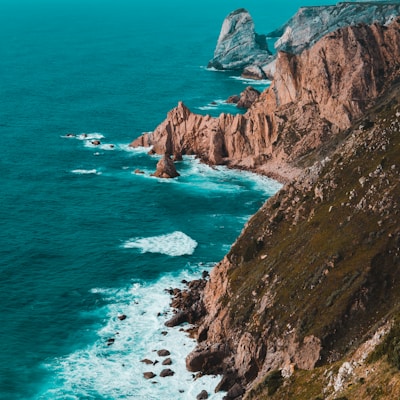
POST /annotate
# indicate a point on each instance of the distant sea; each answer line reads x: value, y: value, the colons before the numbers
x: 83, y: 238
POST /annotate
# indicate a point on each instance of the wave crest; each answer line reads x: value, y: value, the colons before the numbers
x: 173, y: 244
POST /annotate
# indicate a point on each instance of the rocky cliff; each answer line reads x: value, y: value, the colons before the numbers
x: 238, y: 44
x: 240, y: 48
x: 306, y: 304
x: 312, y: 284
x: 313, y: 96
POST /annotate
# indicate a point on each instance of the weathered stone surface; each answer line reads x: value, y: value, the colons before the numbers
x: 238, y: 45
x: 166, y: 168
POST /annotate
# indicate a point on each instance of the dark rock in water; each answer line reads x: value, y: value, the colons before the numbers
x: 138, y: 171
x: 96, y: 142
x: 167, y: 361
x: 166, y: 372
x: 110, y: 341
x: 207, y: 359
x: 179, y: 318
x: 238, y: 45
x: 248, y: 97
x: 203, y: 395
x: 122, y: 317
x: 166, y: 168
x: 233, y: 99
x: 146, y: 361
x: 149, y: 375
x: 163, y: 353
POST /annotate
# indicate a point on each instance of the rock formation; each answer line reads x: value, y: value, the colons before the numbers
x: 166, y: 168
x: 246, y: 98
x: 315, y: 274
x: 238, y: 45
x: 240, y: 48
x: 314, y: 278
x: 314, y: 95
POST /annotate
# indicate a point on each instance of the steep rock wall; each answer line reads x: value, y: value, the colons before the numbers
x: 313, y: 95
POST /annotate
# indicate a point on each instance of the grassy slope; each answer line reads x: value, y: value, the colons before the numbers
x: 329, y: 251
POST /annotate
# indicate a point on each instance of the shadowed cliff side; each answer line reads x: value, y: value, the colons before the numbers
x: 314, y: 95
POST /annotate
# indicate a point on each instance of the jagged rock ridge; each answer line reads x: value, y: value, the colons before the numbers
x: 314, y: 95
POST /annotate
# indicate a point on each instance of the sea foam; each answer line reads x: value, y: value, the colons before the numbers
x: 172, y: 244
x: 115, y: 371
x: 86, y: 172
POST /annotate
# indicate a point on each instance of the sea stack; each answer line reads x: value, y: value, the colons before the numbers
x: 166, y: 168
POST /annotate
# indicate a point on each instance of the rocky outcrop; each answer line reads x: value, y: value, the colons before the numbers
x: 240, y: 48
x: 313, y: 96
x: 238, y: 45
x: 166, y: 168
x: 246, y: 98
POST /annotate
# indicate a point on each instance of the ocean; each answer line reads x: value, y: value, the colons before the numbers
x: 84, y: 239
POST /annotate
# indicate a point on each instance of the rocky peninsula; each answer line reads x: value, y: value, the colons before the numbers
x: 306, y: 303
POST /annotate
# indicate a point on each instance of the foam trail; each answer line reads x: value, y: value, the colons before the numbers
x: 86, y: 172
x: 253, y: 82
x: 172, y: 244
x: 90, y: 136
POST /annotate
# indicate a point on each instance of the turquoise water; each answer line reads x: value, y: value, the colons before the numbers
x: 83, y: 238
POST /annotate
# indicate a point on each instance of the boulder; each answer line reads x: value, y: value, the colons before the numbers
x: 178, y: 318
x: 163, y: 353
x: 166, y: 168
x: 166, y: 372
x: 167, y: 361
x: 202, y: 395
x: 149, y: 375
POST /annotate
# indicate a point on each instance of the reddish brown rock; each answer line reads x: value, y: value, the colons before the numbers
x: 320, y: 92
x: 166, y: 372
x: 248, y: 97
x: 149, y: 375
x: 166, y: 168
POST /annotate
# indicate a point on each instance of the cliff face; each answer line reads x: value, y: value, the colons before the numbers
x: 238, y: 44
x: 314, y: 95
x: 314, y: 274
